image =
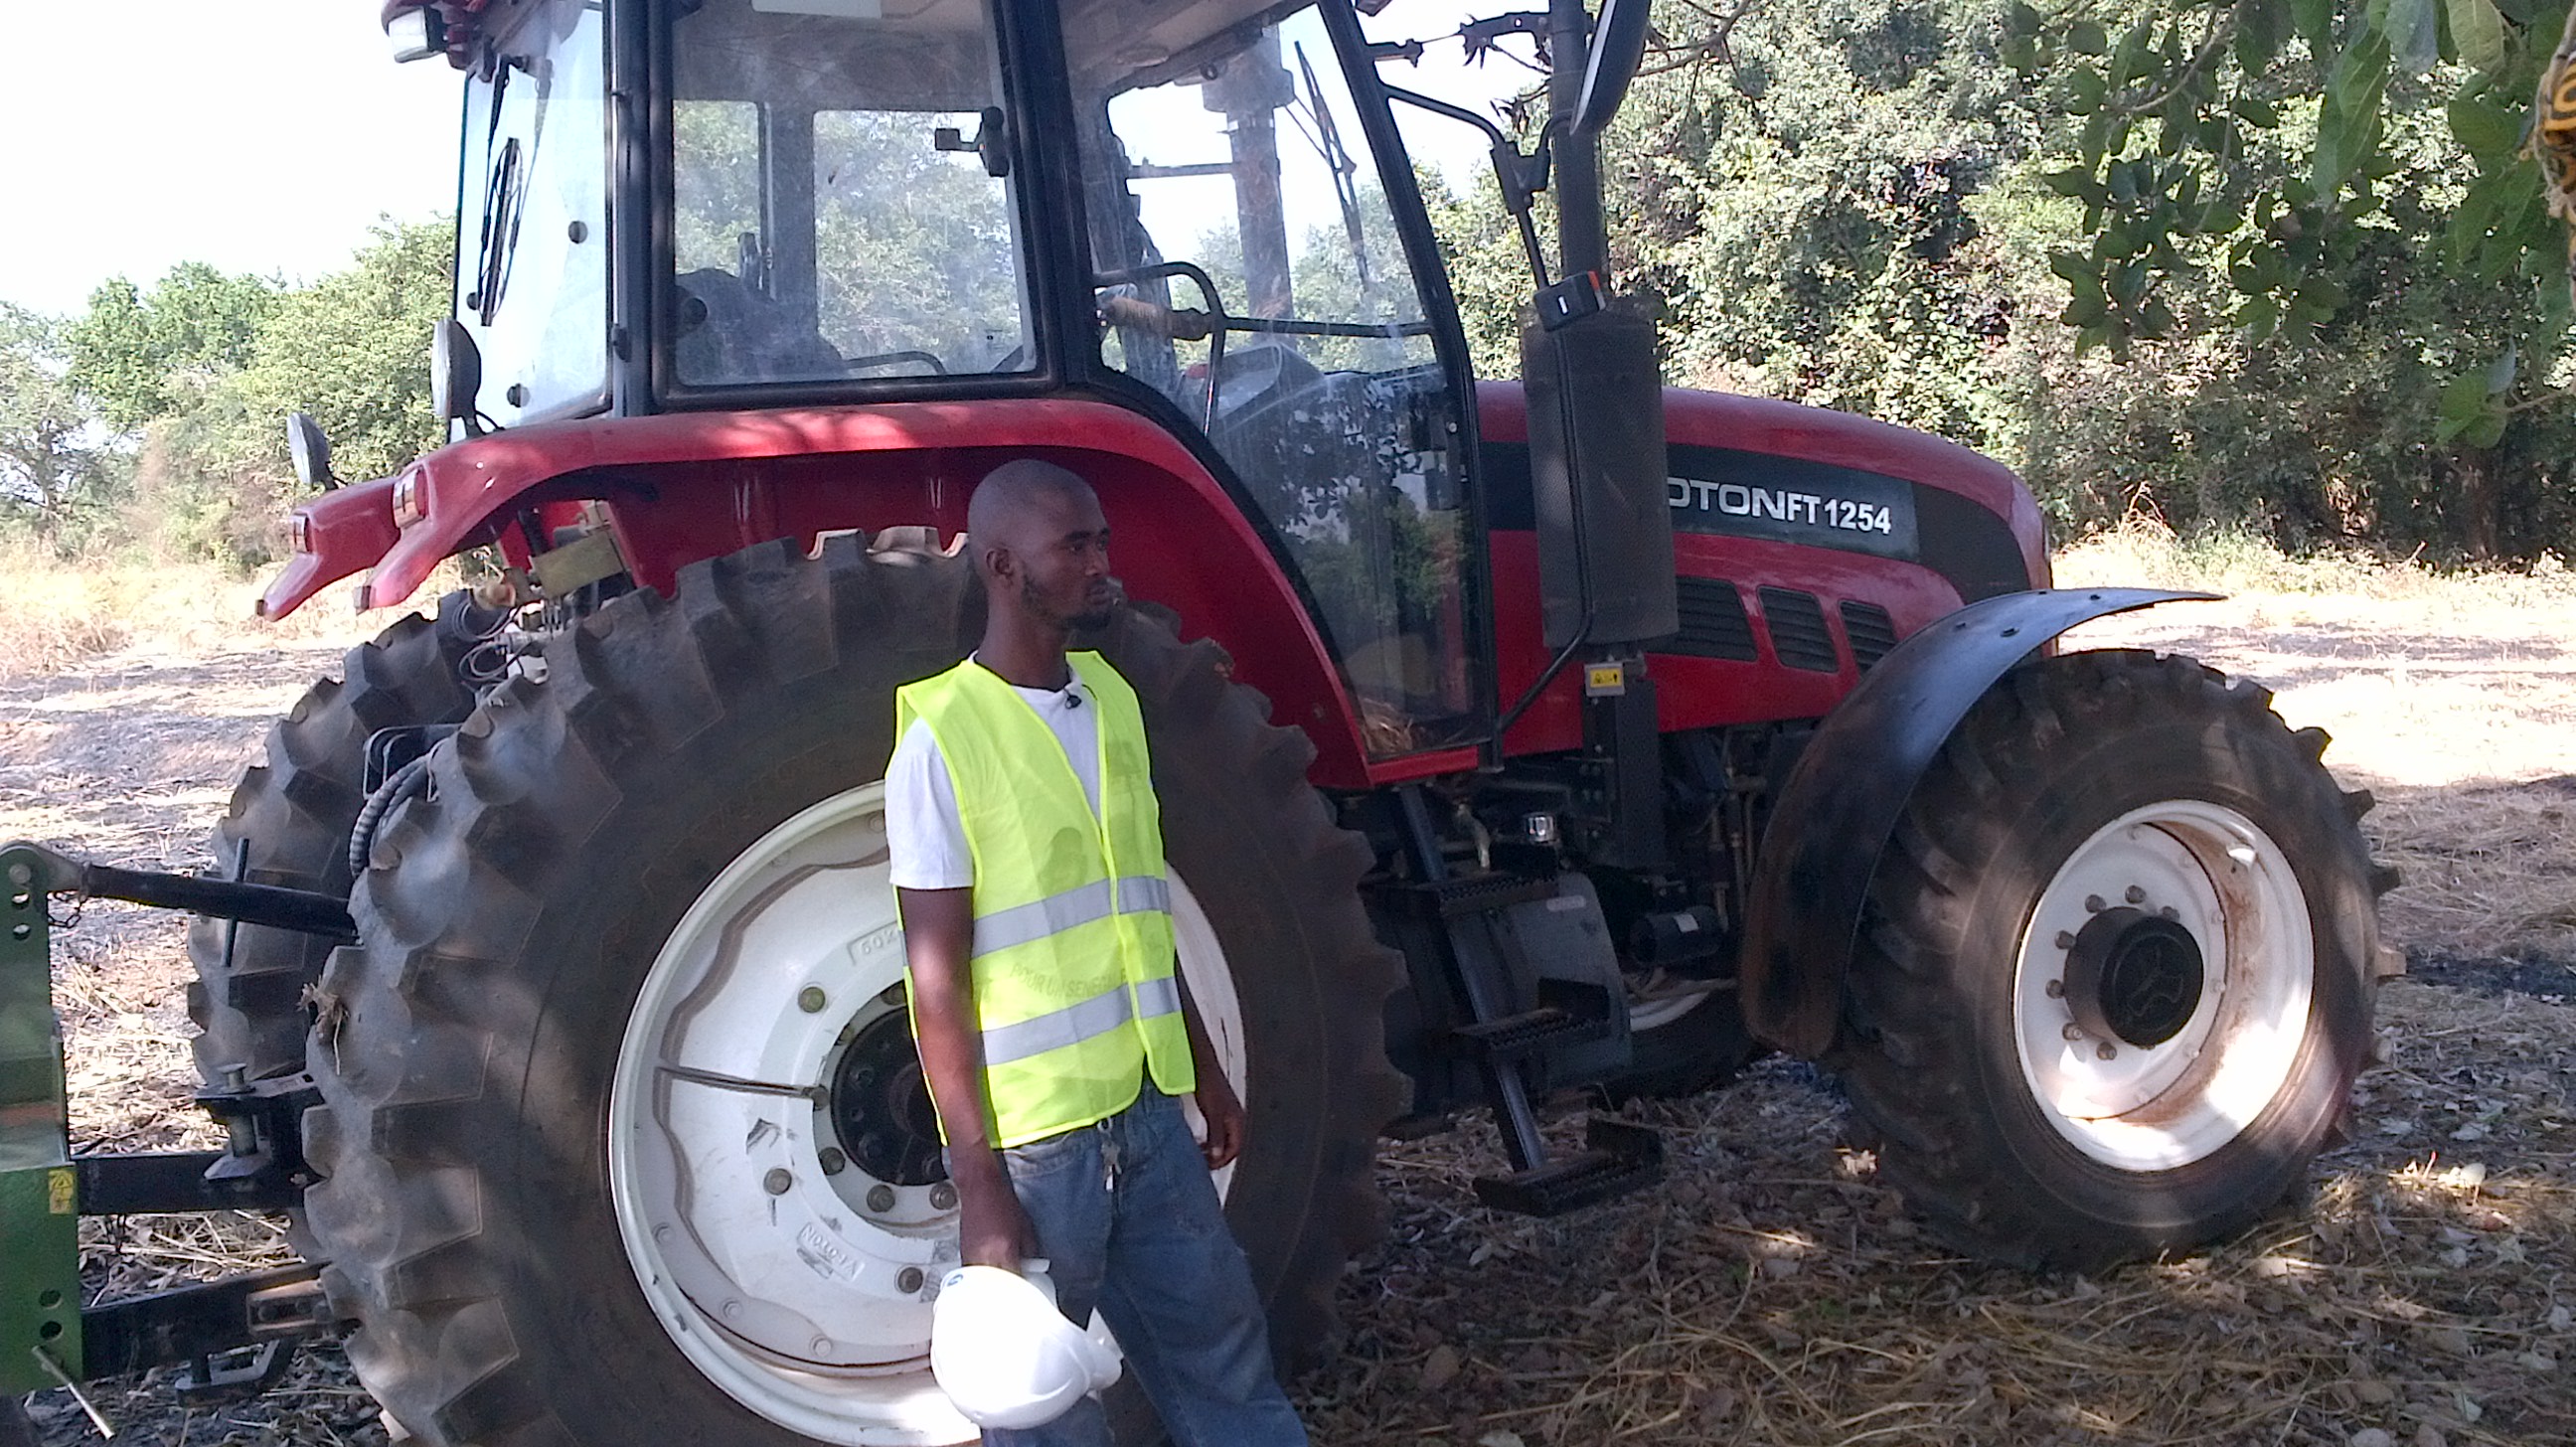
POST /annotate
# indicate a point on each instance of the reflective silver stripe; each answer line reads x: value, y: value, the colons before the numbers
x: 1022, y: 923
x: 1056, y: 1029
x: 1039, y: 918
x: 1074, y: 1024
x: 1158, y: 997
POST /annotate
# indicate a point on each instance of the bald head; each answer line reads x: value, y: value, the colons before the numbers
x: 1019, y: 496
x: 1042, y: 546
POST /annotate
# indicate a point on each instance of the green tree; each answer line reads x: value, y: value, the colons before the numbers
x: 353, y: 350
x: 139, y: 356
x: 47, y: 467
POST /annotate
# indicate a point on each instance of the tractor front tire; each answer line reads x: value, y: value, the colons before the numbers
x: 621, y: 1134
x: 2117, y: 971
x: 289, y: 825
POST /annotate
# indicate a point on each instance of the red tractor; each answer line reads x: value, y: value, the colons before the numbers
x: 1512, y: 737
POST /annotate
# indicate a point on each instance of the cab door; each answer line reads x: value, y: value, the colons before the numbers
x: 1266, y: 283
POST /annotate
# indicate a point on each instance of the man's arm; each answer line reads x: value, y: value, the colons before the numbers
x: 1215, y: 1094
x: 938, y: 928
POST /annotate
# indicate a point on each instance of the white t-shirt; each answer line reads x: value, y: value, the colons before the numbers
x: 924, y: 838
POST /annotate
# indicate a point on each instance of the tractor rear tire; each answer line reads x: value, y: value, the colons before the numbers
x: 497, y: 1056
x: 289, y: 825
x: 2117, y: 972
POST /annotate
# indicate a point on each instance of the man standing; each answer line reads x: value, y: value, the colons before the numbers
x: 1054, y: 1033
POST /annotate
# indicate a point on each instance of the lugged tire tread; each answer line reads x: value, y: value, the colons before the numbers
x: 296, y: 810
x: 1909, y: 1068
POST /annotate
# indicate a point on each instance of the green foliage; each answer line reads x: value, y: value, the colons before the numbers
x: 2154, y: 253
x: 48, y: 471
x: 198, y: 374
x: 139, y: 356
x: 353, y: 350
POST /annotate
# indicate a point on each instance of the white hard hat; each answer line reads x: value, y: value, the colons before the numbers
x: 1005, y: 1355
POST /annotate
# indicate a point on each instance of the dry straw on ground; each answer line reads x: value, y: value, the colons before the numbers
x: 1771, y: 1291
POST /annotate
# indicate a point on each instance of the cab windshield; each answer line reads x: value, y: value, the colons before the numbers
x: 835, y: 218
x: 532, y: 218
x: 1250, y: 270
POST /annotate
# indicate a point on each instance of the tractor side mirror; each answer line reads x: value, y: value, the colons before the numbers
x: 455, y: 374
x: 310, y: 452
x: 1618, y: 48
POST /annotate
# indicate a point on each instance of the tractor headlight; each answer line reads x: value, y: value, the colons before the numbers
x: 416, y: 34
x: 411, y: 501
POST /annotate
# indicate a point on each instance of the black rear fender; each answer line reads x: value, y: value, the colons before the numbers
x: 1840, y: 806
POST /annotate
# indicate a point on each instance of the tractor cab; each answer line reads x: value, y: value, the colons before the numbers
x: 1203, y: 214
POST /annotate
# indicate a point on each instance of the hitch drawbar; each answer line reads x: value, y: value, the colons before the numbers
x: 229, y: 1338
x: 300, y: 910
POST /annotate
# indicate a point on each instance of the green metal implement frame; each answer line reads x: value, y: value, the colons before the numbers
x: 229, y: 1337
x: 40, y: 1305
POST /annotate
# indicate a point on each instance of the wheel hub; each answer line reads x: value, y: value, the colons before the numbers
x: 880, y: 1106
x: 774, y: 1160
x: 2162, y: 985
x: 2133, y: 976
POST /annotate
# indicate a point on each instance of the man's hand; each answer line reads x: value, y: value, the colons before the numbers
x: 1218, y: 1107
x: 992, y: 1229
x: 1224, y: 1116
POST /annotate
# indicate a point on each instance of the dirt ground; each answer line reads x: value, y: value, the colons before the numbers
x: 1770, y: 1291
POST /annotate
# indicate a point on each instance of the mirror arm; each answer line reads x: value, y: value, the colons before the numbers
x: 1522, y: 176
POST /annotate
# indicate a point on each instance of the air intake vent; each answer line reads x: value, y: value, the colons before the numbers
x: 1797, y: 624
x: 1870, y: 630
x: 1714, y: 624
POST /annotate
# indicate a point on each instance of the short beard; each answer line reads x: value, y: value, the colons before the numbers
x: 1088, y: 621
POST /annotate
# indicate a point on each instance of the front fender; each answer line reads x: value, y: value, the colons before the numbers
x: 1841, y: 805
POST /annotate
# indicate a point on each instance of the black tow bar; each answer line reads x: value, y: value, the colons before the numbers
x: 300, y: 910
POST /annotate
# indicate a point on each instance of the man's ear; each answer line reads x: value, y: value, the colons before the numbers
x: 998, y: 562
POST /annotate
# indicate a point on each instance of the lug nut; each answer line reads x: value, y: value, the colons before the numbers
x: 880, y: 1198
x: 2134, y: 895
x: 943, y: 1197
x: 778, y: 1181
x: 891, y: 994
x: 2066, y: 939
x: 2105, y: 1051
x: 2169, y: 912
x: 2094, y: 904
x: 833, y: 1161
x: 2057, y: 989
x: 811, y: 999
x: 2073, y: 1032
x: 908, y: 1280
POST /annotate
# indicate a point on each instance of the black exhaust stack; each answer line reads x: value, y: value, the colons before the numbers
x: 1597, y: 456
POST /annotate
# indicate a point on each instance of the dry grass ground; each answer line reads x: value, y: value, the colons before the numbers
x: 1770, y: 1292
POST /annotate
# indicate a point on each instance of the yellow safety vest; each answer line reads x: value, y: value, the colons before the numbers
x: 1072, y: 955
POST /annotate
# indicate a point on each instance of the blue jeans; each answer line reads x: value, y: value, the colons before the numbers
x: 1128, y: 1220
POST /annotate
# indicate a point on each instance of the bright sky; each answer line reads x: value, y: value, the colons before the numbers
x: 263, y: 138
x: 269, y: 138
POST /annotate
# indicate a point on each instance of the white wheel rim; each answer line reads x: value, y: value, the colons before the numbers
x: 802, y: 1295
x: 2164, y: 1104
x: 1662, y: 1003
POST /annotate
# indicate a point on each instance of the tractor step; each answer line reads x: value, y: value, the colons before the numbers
x: 1622, y: 1158
x: 1473, y: 894
x: 1516, y: 1037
